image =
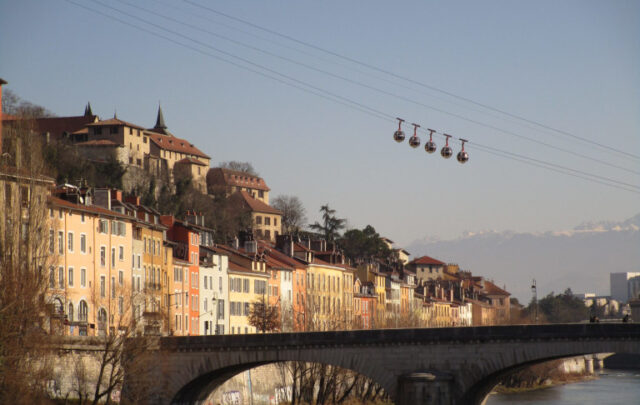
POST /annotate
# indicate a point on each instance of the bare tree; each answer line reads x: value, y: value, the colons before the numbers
x: 245, y: 167
x: 293, y: 213
x: 24, y: 262
x: 12, y: 104
x: 264, y: 317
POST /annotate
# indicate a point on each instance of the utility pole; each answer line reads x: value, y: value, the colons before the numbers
x: 534, y: 291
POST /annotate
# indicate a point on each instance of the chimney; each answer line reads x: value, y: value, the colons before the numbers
x: 133, y: 199
x: 2, y: 82
x: 102, y: 198
x: 251, y: 246
x: 116, y: 194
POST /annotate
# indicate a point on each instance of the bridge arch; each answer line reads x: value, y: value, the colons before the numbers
x: 413, y: 366
x: 200, y: 388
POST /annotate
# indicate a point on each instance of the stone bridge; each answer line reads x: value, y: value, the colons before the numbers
x: 444, y: 366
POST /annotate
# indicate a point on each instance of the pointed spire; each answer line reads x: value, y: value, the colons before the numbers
x: 87, y: 110
x: 160, y: 120
x: 115, y: 114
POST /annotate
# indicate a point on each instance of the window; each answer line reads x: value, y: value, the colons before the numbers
x: 267, y: 234
x: 83, y: 311
x: 120, y: 277
x: 245, y: 285
x: 267, y: 220
x: 113, y: 257
x: 97, y: 130
x: 221, y: 309
x: 61, y: 277
x: 83, y: 243
x: 82, y: 217
x: 52, y: 277
x: 259, y: 286
x: 204, y: 303
x: 120, y: 305
x: 70, y: 242
x: 205, y: 284
x: 102, y: 286
x: 114, y: 130
x: 83, y: 277
x: 220, y: 283
x: 70, y: 312
x: 103, y: 256
x: 144, y: 139
x: 121, y: 253
x: 275, y: 221
x: 103, y: 226
x: 144, y: 245
x: 258, y: 220
x: 113, y: 287
x: 60, y: 242
x: 52, y: 241
x: 50, y: 212
x: 70, y: 278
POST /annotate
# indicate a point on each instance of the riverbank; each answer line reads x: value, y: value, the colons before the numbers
x: 545, y: 375
x: 611, y: 387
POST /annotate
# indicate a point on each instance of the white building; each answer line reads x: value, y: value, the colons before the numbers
x: 214, y: 293
x: 466, y: 314
x: 624, y: 286
x: 286, y: 300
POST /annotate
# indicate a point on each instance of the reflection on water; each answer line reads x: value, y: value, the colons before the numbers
x: 613, y: 387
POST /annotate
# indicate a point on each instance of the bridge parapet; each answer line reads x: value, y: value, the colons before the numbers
x: 450, y: 366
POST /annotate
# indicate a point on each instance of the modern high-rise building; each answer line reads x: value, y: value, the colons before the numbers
x: 625, y: 286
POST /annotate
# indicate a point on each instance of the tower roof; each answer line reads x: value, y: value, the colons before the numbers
x: 87, y: 110
x: 160, y: 126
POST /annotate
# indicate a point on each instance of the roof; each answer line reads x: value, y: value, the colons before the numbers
x: 98, y: 142
x: 228, y: 177
x: 87, y: 208
x: 56, y: 126
x: 114, y: 121
x: 492, y: 289
x: 175, y: 144
x: 192, y: 161
x: 426, y: 260
x: 257, y: 205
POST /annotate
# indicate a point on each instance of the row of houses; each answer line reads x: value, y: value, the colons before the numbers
x: 114, y: 262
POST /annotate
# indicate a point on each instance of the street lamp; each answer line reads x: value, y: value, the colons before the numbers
x: 534, y: 291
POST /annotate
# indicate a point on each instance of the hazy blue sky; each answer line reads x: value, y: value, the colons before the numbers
x: 572, y: 65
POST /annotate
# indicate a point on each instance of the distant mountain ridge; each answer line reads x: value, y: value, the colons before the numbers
x: 581, y: 258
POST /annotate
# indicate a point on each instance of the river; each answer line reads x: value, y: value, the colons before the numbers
x: 612, y: 387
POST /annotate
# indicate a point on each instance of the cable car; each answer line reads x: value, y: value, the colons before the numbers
x: 446, y: 150
x: 430, y: 146
x: 463, y: 156
x: 414, y: 141
x: 399, y: 134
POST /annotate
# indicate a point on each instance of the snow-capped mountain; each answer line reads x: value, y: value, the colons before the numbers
x: 581, y: 258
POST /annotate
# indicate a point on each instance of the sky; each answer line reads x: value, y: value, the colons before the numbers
x: 573, y: 66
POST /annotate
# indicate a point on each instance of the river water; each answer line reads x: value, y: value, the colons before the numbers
x: 612, y: 387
